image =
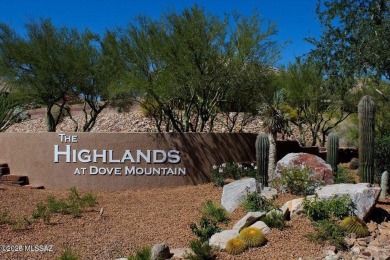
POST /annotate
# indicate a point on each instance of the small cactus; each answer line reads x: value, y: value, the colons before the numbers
x: 355, y: 225
x: 332, y: 153
x: 235, y: 246
x: 384, y: 184
x: 366, y: 111
x: 252, y: 237
x: 262, y: 157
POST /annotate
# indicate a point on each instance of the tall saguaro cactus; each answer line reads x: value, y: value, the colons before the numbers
x: 366, y: 111
x: 262, y: 156
x: 332, y: 153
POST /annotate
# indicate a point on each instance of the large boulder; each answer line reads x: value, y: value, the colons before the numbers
x: 363, y: 196
x: 262, y: 226
x: 220, y: 239
x: 234, y: 193
x: 322, y: 172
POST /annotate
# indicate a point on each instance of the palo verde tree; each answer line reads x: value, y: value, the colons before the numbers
x: 311, y: 103
x: 50, y: 65
x: 185, y: 68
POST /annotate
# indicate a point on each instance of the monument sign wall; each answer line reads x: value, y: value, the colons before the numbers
x: 115, y: 161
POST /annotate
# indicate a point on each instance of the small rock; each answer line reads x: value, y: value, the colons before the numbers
x: 262, y: 226
x: 220, y: 239
x: 248, y: 219
x: 295, y: 207
x: 268, y: 192
x: 179, y: 253
x: 160, y: 251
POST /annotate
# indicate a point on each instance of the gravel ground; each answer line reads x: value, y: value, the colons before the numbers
x: 135, y: 218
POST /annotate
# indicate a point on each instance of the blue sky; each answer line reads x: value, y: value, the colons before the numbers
x: 295, y: 19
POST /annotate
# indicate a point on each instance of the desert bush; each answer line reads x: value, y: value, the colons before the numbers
x: 215, y: 212
x: 201, y: 251
x: 254, y: 201
x: 275, y: 220
x: 68, y: 254
x: 344, y: 175
x: 233, y: 170
x: 322, y: 209
x: 74, y: 204
x: 329, y: 231
x: 206, y: 228
x: 141, y: 254
x: 297, y: 180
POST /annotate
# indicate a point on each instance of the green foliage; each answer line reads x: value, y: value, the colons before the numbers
x: 344, y: 175
x: 382, y: 155
x: 73, y: 205
x: 201, y: 251
x: 262, y: 158
x: 233, y: 170
x: 322, y: 209
x: 191, y: 64
x: 275, y: 219
x: 206, y: 228
x: 329, y: 231
x: 297, y: 180
x: 366, y: 110
x: 17, y: 223
x: 355, y: 39
x: 355, y: 225
x: 142, y: 254
x: 212, y: 210
x: 69, y: 254
x: 235, y: 246
x: 254, y: 201
x: 252, y: 237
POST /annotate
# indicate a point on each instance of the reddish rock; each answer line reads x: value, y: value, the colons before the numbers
x: 321, y: 170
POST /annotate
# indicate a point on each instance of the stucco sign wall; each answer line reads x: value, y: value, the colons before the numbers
x: 115, y: 161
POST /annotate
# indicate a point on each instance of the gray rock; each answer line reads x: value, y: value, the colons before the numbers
x: 362, y: 195
x: 234, y: 193
x: 262, y: 226
x: 248, y: 219
x: 295, y: 207
x: 268, y: 192
x: 220, y: 239
x: 160, y: 251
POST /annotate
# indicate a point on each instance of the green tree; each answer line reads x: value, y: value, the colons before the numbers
x: 9, y: 107
x: 51, y: 65
x: 311, y: 103
x: 187, y: 67
x: 355, y: 40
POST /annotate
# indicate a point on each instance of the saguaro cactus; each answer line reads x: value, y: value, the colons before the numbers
x: 384, y: 184
x: 332, y: 153
x: 366, y: 111
x: 262, y: 155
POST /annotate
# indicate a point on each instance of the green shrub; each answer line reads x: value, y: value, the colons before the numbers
x: 275, y: 219
x: 201, y: 251
x: 382, y: 155
x: 74, y: 204
x: 344, y: 175
x: 206, y: 228
x: 298, y: 181
x: 69, y: 254
x: 233, y: 170
x: 329, y: 231
x: 212, y: 210
x: 142, y: 254
x: 5, y: 218
x: 322, y: 209
x: 254, y: 201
